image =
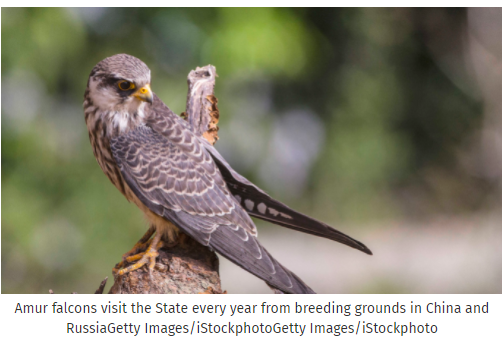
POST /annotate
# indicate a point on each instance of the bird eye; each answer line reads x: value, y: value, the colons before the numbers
x: 125, y: 85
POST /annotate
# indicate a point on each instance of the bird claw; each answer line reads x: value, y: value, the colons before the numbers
x: 149, y: 256
x: 140, y: 246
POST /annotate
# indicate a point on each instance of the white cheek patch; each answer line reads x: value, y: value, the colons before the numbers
x: 121, y: 113
x: 105, y: 98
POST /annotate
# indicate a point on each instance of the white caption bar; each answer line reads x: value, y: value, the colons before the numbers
x: 184, y: 316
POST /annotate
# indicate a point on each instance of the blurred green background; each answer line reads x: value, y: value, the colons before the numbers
x: 385, y: 123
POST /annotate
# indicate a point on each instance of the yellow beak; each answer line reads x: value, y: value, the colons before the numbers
x: 144, y: 94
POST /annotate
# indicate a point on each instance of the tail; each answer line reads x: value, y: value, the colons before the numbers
x: 260, y: 205
x: 266, y: 208
x: 254, y: 258
x: 243, y: 249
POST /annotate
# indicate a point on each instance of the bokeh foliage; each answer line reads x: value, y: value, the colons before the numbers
x: 344, y: 114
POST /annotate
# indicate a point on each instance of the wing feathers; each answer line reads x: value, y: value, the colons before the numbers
x: 260, y: 205
x: 244, y: 250
x: 190, y: 192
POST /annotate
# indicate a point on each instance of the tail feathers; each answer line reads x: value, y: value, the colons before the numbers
x: 273, y: 211
x: 260, y: 205
x: 240, y: 247
x: 254, y: 258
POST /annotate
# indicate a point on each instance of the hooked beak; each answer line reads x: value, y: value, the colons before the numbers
x: 144, y: 94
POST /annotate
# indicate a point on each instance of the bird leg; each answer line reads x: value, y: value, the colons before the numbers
x: 149, y: 255
x: 141, y: 245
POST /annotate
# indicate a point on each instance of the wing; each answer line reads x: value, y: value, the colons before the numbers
x: 187, y: 188
x: 260, y: 205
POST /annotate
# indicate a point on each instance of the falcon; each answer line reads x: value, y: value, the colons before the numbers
x: 180, y: 181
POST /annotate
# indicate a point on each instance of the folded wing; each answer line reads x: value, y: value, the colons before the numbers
x: 188, y: 189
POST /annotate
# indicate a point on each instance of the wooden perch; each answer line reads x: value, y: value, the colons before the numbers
x: 186, y: 266
x: 202, y: 112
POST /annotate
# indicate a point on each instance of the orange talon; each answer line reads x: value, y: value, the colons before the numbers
x: 142, y: 243
x: 148, y: 256
x: 134, y: 257
x: 140, y: 246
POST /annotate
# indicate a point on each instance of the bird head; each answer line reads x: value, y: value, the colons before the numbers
x: 120, y: 83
